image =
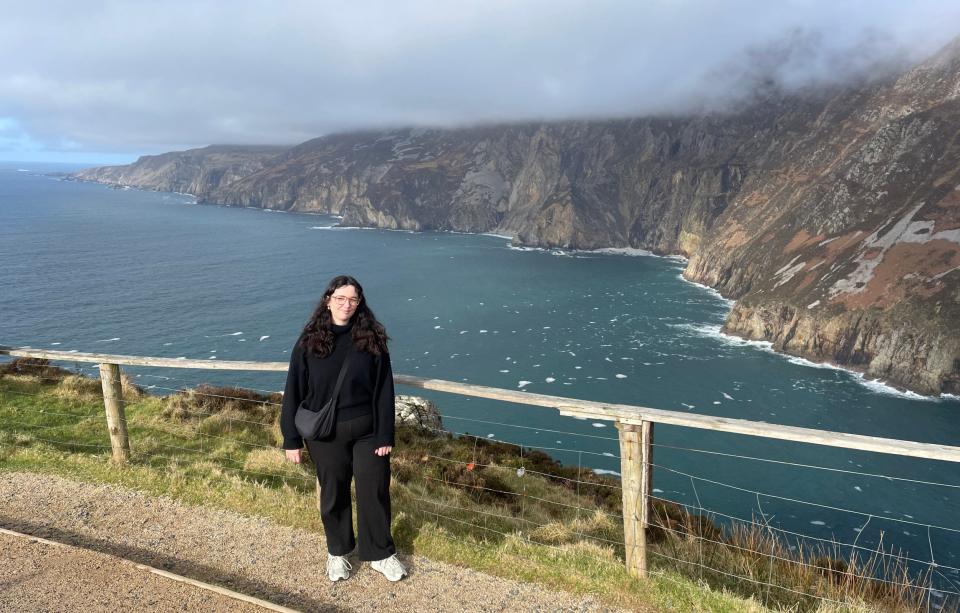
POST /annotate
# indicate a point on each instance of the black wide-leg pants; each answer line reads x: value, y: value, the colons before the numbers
x: 349, y: 455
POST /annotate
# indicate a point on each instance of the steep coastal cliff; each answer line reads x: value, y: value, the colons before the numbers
x: 833, y: 219
x: 197, y: 171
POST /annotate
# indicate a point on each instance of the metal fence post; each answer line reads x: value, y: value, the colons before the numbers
x: 116, y: 418
x: 636, y: 460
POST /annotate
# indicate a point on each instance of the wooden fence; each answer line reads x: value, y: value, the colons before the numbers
x: 634, y: 424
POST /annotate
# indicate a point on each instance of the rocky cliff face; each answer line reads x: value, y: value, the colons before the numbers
x: 197, y: 171
x: 845, y: 244
x: 833, y: 219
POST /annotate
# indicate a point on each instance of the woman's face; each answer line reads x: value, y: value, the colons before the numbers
x: 343, y: 304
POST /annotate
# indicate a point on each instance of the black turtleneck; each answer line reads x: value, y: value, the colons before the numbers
x: 367, y: 387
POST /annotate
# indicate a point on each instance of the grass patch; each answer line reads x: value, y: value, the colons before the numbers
x: 490, y: 506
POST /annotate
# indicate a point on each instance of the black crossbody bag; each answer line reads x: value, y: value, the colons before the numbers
x: 316, y: 425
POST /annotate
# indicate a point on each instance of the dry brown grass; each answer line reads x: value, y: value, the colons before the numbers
x: 35, y: 367
x: 802, y: 578
x: 206, y: 400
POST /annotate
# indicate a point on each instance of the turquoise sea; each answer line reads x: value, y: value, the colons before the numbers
x: 87, y: 268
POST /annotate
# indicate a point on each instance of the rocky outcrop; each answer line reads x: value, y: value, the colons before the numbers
x: 418, y: 412
x: 896, y: 345
x: 833, y: 218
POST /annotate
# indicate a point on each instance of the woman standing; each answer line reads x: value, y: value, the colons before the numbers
x: 343, y: 330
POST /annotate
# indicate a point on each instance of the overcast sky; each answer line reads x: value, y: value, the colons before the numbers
x: 97, y: 81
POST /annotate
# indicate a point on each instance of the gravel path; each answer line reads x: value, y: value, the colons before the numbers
x: 43, y: 578
x: 250, y: 555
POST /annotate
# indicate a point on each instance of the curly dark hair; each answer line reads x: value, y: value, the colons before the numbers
x: 368, y: 334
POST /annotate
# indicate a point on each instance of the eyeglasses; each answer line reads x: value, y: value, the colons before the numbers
x: 342, y: 300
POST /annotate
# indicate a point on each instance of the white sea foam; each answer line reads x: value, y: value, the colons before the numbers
x: 234, y: 334
x: 598, y: 424
x: 264, y: 337
x: 555, y: 251
x: 727, y: 301
x: 523, y: 384
x: 879, y: 387
x: 804, y: 362
x: 714, y: 331
x: 621, y: 376
x: 817, y: 522
x: 874, y: 385
x: 601, y: 471
x: 338, y: 228
x: 55, y: 343
x: 167, y: 344
x: 108, y: 340
x: 549, y: 379
x: 727, y: 396
x: 622, y: 251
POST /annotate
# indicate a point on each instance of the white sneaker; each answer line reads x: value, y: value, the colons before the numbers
x: 391, y: 568
x: 338, y: 567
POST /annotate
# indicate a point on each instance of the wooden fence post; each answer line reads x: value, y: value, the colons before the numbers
x: 116, y: 418
x: 636, y: 460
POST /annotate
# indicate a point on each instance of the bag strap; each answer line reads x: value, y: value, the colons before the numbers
x: 342, y: 375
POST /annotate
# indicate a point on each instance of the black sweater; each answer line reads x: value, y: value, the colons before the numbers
x: 367, y: 387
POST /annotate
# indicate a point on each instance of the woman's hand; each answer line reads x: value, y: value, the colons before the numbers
x: 382, y: 451
x: 293, y: 455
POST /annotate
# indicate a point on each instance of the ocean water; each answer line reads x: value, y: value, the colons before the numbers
x: 87, y: 268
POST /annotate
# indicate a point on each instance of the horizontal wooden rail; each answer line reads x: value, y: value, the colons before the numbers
x: 134, y: 360
x: 585, y: 409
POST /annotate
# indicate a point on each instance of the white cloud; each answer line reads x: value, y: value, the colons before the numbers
x: 123, y: 76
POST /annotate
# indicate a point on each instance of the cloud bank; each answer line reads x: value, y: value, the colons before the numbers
x: 133, y: 78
